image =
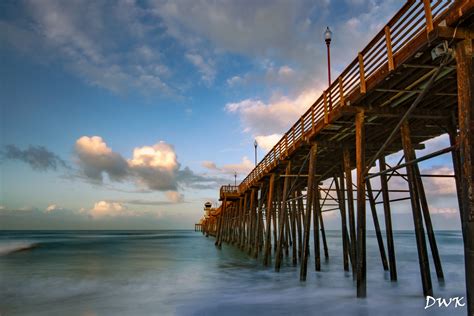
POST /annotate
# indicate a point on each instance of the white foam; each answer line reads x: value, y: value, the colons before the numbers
x: 13, y: 246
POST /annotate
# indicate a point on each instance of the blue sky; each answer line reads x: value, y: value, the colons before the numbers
x: 131, y: 114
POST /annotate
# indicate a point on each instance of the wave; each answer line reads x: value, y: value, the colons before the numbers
x: 16, y: 246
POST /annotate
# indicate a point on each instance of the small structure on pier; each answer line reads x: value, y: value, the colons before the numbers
x: 414, y: 81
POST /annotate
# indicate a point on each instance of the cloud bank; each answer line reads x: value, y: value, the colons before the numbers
x: 37, y: 157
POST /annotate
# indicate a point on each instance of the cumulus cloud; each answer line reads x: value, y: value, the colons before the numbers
x: 38, y: 157
x: 52, y: 208
x: 275, y: 116
x: 153, y: 167
x: 96, y: 158
x: 104, y: 208
x: 267, y: 142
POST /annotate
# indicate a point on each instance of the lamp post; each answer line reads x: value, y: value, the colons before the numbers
x: 327, y: 38
x: 235, y: 178
x: 255, y: 144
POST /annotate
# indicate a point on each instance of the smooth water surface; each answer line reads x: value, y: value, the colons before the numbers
x: 182, y: 273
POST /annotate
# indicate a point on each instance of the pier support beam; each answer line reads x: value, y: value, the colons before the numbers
x: 282, y: 220
x: 388, y: 220
x: 350, y: 206
x: 342, y: 208
x: 378, y: 233
x: 465, y: 80
x: 307, y: 221
x: 268, y: 213
x: 361, y: 218
x: 416, y: 210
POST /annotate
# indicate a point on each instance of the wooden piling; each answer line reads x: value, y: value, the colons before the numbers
x: 388, y: 221
x: 350, y: 205
x: 268, y: 211
x: 316, y: 213
x: 307, y: 221
x: 342, y: 209
x: 465, y: 81
x: 417, y: 219
x: 378, y: 233
x: 361, y: 218
x: 282, y: 214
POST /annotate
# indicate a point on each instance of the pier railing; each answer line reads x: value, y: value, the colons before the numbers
x: 377, y: 58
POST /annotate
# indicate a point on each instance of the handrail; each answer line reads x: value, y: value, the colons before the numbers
x: 413, y: 18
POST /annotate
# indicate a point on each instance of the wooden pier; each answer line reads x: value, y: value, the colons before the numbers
x: 413, y: 81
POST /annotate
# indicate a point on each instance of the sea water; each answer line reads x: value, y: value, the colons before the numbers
x: 183, y: 273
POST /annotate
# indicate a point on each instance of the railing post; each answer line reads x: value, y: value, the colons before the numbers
x: 428, y: 16
x: 302, y: 126
x: 388, y: 41
x: 362, y: 74
x: 312, y: 117
x: 341, y: 92
x: 326, y: 120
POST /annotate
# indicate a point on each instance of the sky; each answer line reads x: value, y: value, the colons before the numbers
x: 131, y: 114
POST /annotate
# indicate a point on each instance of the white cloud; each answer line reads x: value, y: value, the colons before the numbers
x: 286, y: 71
x: 449, y: 212
x: 206, y: 68
x: 104, y: 208
x: 234, y: 81
x: 153, y: 167
x: 267, y: 142
x: 52, y: 207
x: 96, y: 158
x: 274, y: 117
x: 441, y: 185
x: 242, y: 168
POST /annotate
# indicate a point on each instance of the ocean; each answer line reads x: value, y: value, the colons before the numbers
x: 182, y: 273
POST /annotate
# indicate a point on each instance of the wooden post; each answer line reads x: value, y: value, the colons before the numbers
x: 428, y: 224
x: 326, y: 119
x: 282, y: 215
x: 378, y: 233
x: 388, y: 221
x: 465, y: 80
x: 323, y: 235
x: 239, y: 221
x: 428, y: 15
x: 252, y: 217
x: 259, y: 223
x: 307, y: 221
x: 362, y: 74
x: 293, y: 214
x: 274, y: 214
x: 316, y: 213
x: 342, y: 208
x: 299, y: 225
x: 417, y: 219
x: 350, y: 204
x: 268, y: 211
x: 243, y: 221
x: 361, y: 218
x: 341, y: 92
x: 388, y: 41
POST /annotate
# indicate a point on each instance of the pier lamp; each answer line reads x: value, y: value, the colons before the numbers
x: 327, y: 39
x: 235, y: 178
x: 255, y: 144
